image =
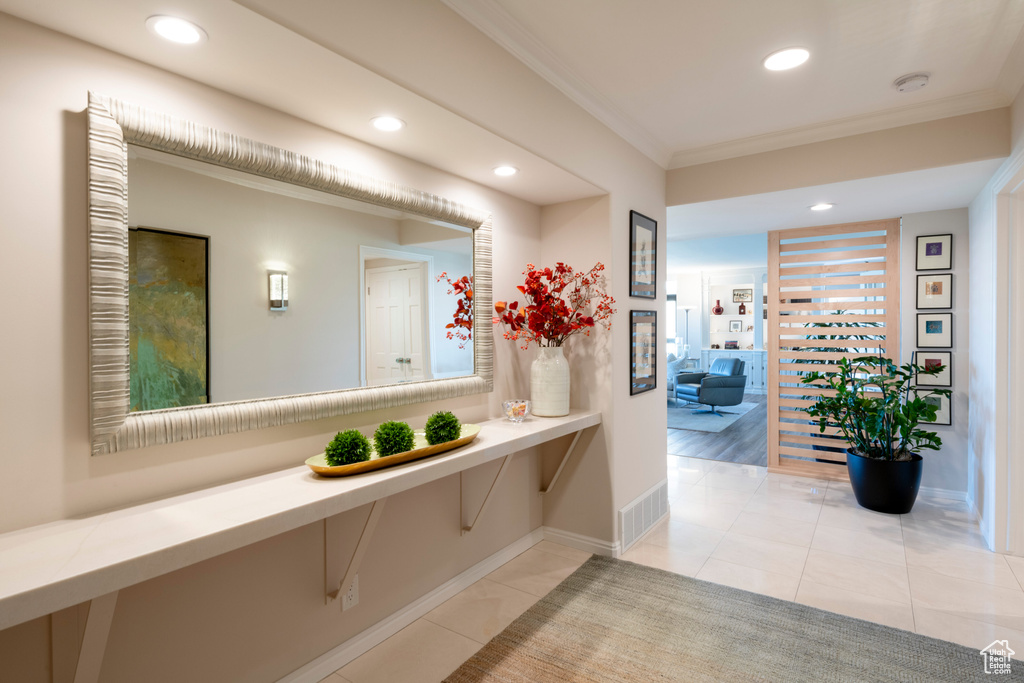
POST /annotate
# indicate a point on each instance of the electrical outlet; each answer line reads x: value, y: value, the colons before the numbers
x: 351, y: 596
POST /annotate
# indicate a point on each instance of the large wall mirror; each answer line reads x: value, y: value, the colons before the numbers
x: 236, y: 286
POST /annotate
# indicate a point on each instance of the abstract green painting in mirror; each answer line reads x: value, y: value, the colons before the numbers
x: 167, y: 303
x: 365, y: 304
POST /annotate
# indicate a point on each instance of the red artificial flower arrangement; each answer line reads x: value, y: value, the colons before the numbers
x: 461, y: 327
x: 559, y: 303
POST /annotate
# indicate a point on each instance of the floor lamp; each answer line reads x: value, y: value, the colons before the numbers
x: 686, y: 346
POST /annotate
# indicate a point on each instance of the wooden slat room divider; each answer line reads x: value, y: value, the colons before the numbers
x: 833, y: 292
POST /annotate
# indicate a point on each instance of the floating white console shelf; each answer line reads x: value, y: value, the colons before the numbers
x: 58, y: 565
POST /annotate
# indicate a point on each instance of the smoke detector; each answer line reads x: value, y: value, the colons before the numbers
x: 911, y: 82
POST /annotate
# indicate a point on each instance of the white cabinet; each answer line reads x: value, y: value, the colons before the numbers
x: 756, y: 364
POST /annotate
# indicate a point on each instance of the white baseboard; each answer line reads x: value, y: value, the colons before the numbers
x: 945, y: 494
x: 326, y: 664
x: 581, y: 542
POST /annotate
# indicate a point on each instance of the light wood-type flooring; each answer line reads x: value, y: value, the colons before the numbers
x: 745, y: 441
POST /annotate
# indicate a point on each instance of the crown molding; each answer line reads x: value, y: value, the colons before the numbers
x: 958, y: 105
x: 498, y: 25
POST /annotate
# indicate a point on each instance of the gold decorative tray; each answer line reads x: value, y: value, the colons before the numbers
x: 318, y: 463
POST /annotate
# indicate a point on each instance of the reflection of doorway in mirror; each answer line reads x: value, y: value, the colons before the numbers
x: 396, y: 345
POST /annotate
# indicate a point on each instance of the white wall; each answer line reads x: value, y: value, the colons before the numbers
x: 995, y: 463
x: 995, y: 477
x: 945, y: 469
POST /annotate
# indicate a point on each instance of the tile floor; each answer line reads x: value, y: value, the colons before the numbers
x: 789, y: 537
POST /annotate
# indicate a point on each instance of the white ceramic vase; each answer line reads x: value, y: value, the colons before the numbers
x: 549, y: 383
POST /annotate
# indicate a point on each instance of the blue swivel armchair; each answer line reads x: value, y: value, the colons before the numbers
x: 722, y: 385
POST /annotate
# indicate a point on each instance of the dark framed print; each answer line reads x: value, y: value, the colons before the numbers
x: 935, y: 330
x: 742, y: 296
x: 935, y: 291
x: 643, y: 346
x: 944, y: 416
x: 935, y: 252
x: 643, y: 256
x: 934, y: 359
x: 735, y: 325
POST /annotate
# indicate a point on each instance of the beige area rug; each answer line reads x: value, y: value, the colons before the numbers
x: 685, y: 418
x: 618, y: 621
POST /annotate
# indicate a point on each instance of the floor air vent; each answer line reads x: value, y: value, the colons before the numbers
x: 643, y: 513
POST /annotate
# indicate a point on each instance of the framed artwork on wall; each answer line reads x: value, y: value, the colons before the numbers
x: 931, y: 359
x: 935, y: 330
x: 935, y: 252
x: 735, y: 325
x: 643, y: 346
x: 935, y: 291
x: 742, y: 296
x: 945, y: 415
x: 168, y: 305
x: 643, y: 256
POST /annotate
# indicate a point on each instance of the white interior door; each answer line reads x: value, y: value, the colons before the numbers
x: 395, y: 311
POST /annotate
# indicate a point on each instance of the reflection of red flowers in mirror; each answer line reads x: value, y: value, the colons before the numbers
x: 559, y: 303
x: 461, y: 327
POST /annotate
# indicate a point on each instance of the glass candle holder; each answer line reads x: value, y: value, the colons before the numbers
x: 516, y: 409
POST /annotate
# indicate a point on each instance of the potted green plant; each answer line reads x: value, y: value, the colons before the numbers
x: 879, y: 416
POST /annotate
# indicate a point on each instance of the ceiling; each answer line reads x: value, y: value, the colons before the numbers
x: 260, y: 60
x: 682, y: 79
x: 716, y: 254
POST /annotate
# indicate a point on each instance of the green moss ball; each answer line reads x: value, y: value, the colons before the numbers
x: 442, y: 427
x: 346, y: 448
x: 393, y: 437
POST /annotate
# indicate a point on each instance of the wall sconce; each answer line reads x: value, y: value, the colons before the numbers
x: 278, y: 290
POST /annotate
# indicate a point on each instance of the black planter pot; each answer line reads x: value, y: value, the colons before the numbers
x: 885, y: 485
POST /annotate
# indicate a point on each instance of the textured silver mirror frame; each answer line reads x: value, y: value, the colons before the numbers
x: 112, y: 126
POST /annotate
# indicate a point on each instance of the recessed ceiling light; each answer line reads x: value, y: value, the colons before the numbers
x: 175, y: 30
x: 388, y: 123
x: 506, y: 170
x: 822, y: 207
x: 786, y: 59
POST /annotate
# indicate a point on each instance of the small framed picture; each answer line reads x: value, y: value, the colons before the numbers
x: 643, y: 256
x: 935, y: 291
x: 735, y: 325
x: 935, y: 330
x: 934, y: 359
x: 643, y: 344
x: 742, y: 296
x: 944, y: 416
x: 935, y: 252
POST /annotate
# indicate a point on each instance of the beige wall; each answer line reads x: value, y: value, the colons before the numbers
x: 945, y: 142
x: 399, y: 39
x: 254, y: 614
x: 258, y: 613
